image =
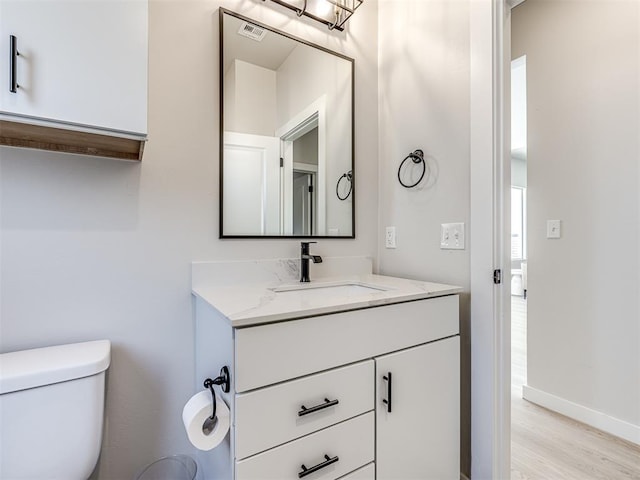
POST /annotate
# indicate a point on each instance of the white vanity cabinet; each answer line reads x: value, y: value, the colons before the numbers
x: 418, y: 392
x: 308, y: 396
x: 77, y: 66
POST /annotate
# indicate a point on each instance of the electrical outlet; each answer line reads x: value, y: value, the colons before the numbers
x: 390, y: 237
x: 554, y: 229
x: 452, y: 236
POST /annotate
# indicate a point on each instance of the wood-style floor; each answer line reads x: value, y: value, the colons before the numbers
x: 549, y: 446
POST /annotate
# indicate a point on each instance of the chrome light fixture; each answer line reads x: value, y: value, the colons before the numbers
x: 333, y: 13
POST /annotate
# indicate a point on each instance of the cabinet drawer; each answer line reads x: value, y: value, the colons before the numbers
x: 351, y: 442
x: 364, y: 473
x: 274, y: 415
x: 274, y: 353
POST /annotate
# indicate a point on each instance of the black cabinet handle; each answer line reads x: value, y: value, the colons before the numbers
x: 387, y: 401
x: 308, y: 471
x: 13, y: 64
x: 327, y: 403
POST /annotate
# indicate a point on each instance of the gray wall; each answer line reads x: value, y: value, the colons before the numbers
x: 424, y: 103
x: 94, y: 248
x: 583, y: 60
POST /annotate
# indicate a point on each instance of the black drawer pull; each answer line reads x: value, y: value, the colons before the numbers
x: 327, y: 403
x: 387, y: 401
x: 13, y: 61
x: 308, y: 471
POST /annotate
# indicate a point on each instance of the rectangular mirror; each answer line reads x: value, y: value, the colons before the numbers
x: 286, y: 130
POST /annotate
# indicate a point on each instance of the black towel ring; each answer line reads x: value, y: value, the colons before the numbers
x: 416, y: 156
x: 349, y: 177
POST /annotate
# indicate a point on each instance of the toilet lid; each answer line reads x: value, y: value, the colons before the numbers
x: 44, y: 366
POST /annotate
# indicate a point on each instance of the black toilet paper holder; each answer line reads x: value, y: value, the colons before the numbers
x: 224, y: 380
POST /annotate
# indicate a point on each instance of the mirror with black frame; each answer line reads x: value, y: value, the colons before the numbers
x: 286, y: 129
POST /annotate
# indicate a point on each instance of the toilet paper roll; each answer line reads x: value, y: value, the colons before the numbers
x: 194, y: 414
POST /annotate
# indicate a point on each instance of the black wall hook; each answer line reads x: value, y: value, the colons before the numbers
x: 417, y: 156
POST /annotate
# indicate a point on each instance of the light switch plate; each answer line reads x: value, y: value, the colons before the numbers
x: 452, y: 236
x: 554, y: 229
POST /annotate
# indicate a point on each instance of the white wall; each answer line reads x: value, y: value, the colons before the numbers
x: 424, y: 103
x: 583, y: 64
x: 250, y: 99
x: 94, y: 248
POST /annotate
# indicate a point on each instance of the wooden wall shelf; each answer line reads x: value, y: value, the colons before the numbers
x: 25, y: 135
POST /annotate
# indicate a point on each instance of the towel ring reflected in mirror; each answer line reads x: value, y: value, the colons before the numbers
x: 349, y: 178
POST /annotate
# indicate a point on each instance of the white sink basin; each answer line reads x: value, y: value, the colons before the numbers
x: 330, y: 288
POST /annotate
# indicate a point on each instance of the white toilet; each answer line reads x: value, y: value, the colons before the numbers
x: 51, y: 411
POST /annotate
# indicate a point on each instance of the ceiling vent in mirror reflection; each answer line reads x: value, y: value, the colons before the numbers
x: 252, y: 31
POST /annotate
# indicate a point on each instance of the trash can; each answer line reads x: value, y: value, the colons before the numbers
x: 175, y: 467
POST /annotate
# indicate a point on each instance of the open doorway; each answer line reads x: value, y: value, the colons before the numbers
x: 518, y: 226
x: 518, y: 159
x: 574, y: 411
x: 305, y: 171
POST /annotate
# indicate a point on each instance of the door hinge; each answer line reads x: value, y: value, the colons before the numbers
x: 310, y: 188
x: 281, y: 162
x: 497, y: 276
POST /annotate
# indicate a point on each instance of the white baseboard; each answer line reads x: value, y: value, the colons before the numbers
x: 593, y: 418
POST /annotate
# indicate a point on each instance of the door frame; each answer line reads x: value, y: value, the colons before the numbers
x: 490, y: 52
x: 314, y: 115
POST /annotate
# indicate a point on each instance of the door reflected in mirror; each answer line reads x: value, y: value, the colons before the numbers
x: 287, y: 134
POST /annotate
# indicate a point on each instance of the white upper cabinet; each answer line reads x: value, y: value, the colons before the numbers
x: 83, y: 62
x: 79, y: 64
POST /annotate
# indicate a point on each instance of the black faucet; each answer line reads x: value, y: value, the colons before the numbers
x: 304, y: 260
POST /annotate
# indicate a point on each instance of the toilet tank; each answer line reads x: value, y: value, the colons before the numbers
x: 51, y: 410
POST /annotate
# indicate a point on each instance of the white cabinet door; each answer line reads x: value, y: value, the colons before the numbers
x: 418, y: 428
x: 251, y: 173
x: 81, y: 62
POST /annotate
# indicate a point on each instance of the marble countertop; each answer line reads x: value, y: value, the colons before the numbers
x: 263, y: 302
